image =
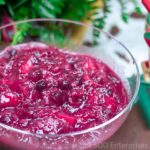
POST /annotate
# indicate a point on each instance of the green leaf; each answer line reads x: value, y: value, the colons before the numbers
x: 10, y: 10
x: 69, y: 9
x: 22, y: 13
x: 147, y: 35
x: 18, y: 37
x: 137, y: 7
x: 36, y: 31
x: 2, y: 2
x: 48, y: 8
x: 125, y: 17
x: 148, y: 19
x: 21, y: 2
x: 21, y: 32
x: 138, y: 10
x: 77, y: 10
x: 100, y: 22
x: 44, y: 12
x: 55, y: 37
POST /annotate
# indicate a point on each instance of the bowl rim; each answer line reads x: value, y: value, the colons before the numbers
x: 129, y: 106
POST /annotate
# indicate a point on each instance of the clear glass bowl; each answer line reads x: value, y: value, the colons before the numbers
x: 73, y: 38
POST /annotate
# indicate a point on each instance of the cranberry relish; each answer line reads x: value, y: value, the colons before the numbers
x: 44, y: 90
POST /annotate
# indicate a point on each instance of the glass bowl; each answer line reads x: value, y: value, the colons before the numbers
x: 77, y: 37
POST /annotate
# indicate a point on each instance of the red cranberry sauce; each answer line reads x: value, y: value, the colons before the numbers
x: 44, y: 90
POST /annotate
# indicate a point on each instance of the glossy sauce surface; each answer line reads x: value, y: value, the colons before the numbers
x: 47, y: 91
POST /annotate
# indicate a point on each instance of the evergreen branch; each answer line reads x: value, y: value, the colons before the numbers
x: 67, y: 9
x: 100, y: 22
x: 124, y: 12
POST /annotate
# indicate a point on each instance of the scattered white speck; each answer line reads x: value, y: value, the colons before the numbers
x: 39, y: 131
x: 4, y: 99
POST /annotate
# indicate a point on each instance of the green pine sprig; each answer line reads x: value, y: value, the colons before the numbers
x: 100, y: 22
x: 66, y: 9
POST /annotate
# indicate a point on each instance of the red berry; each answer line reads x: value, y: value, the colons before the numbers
x: 57, y: 97
x: 64, y: 84
x: 41, y: 85
x: 35, y: 75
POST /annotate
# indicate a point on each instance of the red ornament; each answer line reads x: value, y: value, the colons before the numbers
x: 146, y: 3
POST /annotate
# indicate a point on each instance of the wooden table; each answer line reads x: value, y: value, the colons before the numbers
x: 133, y: 135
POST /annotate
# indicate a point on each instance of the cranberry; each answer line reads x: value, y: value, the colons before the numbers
x: 35, y: 75
x: 52, y: 82
x: 46, y: 91
x: 76, y: 94
x: 41, y: 85
x: 64, y: 84
x: 57, y: 97
x: 109, y: 92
